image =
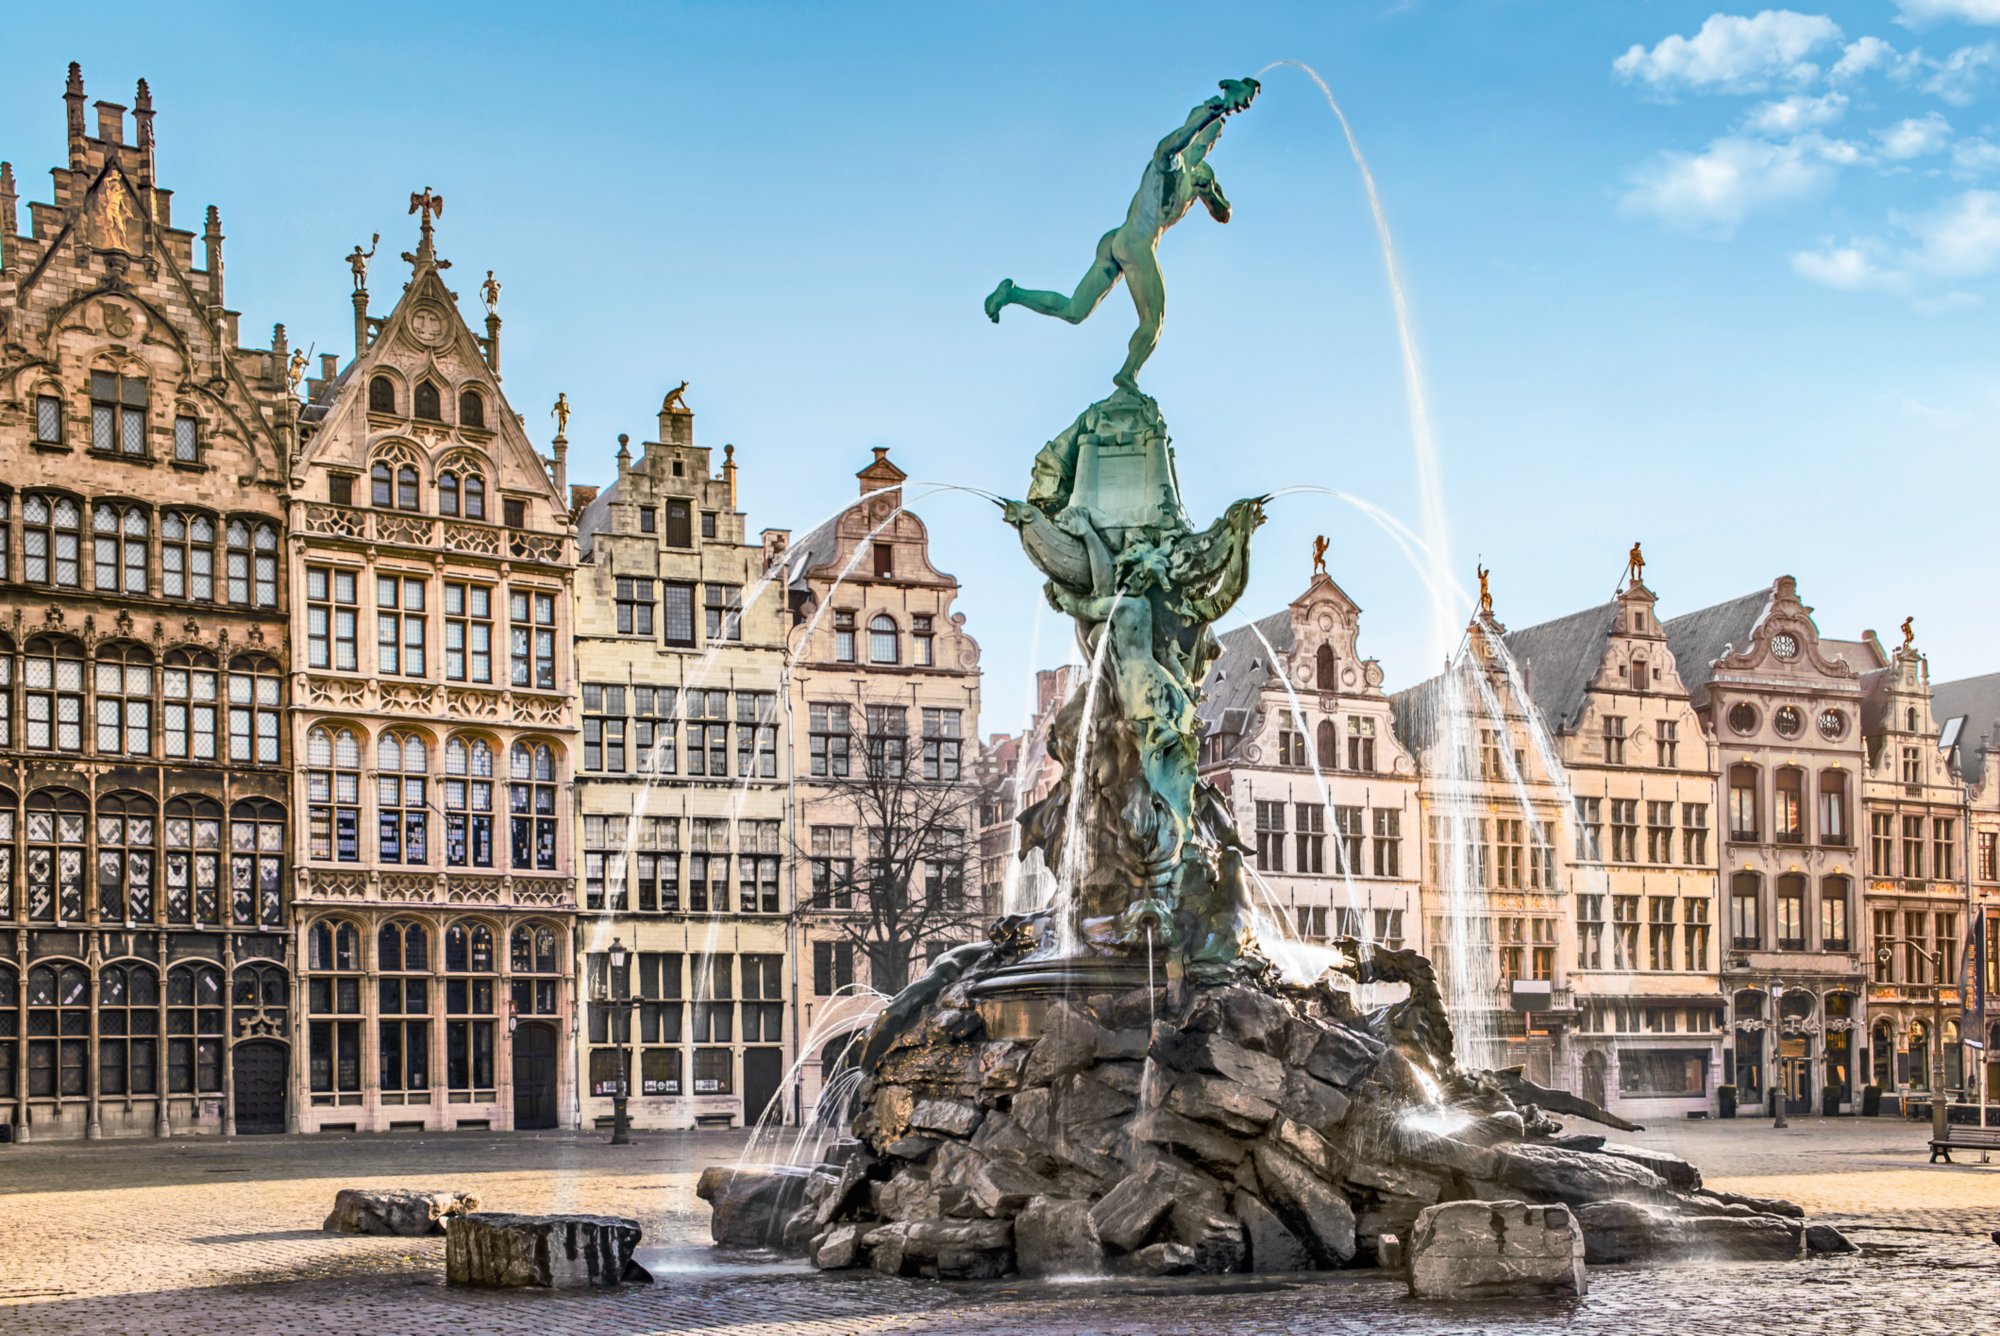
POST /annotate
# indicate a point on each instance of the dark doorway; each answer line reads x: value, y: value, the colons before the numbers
x: 763, y: 1068
x: 534, y: 1078
x: 260, y: 1072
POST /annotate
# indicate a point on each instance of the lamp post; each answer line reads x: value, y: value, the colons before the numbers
x: 1884, y: 955
x: 1778, y: 1124
x: 621, y: 1127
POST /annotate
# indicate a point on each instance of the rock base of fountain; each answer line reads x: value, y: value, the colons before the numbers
x: 1195, y: 1128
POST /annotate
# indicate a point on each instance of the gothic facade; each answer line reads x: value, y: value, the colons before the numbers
x: 145, y: 816
x: 429, y: 566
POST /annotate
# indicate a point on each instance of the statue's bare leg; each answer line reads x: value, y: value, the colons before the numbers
x: 1073, y: 308
x: 1141, y: 268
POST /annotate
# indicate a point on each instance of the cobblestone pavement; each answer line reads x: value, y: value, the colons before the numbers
x: 222, y: 1236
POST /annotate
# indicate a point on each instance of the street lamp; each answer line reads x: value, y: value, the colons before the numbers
x: 621, y: 1127
x: 1884, y: 956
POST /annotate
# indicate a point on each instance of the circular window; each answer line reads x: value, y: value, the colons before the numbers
x: 1785, y: 646
x: 1788, y: 721
x: 1743, y: 717
x: 1832, y: 725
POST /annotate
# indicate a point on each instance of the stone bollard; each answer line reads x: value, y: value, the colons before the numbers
x: 496, y: 1250
x: 1495, y: 1249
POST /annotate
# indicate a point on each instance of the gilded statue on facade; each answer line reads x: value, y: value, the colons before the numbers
x: 358, y: 259
x: 1319, y: 554
x: 1176, y: 176
x: 561, y: 414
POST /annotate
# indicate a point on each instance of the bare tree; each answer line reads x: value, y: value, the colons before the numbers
x: 899, y: 886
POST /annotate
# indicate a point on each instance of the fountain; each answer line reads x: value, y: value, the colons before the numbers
x: 1123, y: 1080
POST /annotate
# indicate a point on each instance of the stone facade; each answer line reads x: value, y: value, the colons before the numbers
x: 144, y: 814
x: 1643, y: 1014
x: 883, y: 695
x: 683, y: 826
x: 430, y: 561
x: 1014, y: 772
x: 1968, y: 712
x: 1784, y: 706
x: 1303, y: 742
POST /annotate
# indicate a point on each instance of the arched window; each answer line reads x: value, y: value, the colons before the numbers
x: 1326, y: 674
x: 10, y: 1029
x: 447, y: 493
x: 883, y: 643
x: 52, y: 672
x: 469, y: 987
x: 402, y: 798
x: 128, y: 1030
x: 531, y: 803
x: 333, y: 1002
x: 256, y: 863
x: 262, y: 996
x: 475, y: 497
x: 52, y: 540
x: 187, y: 556
x: 333, y: 795
x: 403, y: 956
x: 188, y: 690
x: 471, y: 409
x: 535, y: 964
x: 1788, y: 813
x: 425, y: 402
x: 1833, y: 808
x: 195, y: 1030
x: 381, y: 395
x: 1746, y: 931
x: 381, y: 485
x: 1743, y: 823
x: 255, y: 693
x: 193, y: 879
x: 57, y: 819
x: 124, y: 700
x: 125, y: 837
x: 9, y: 812
x: 58, y: 1007
x: 468, y: 803
x: 408, y: 497
x: 1326, y: 743
x: 1835, y: 914
x: 118, y: 545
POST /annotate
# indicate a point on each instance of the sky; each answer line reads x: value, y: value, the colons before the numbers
x: 1723, y: 281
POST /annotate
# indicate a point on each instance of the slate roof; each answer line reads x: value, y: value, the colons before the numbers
x: 1241, y: 671
x: 593, y: 517
x: 1697, y: 639
x: 1977, y: 701
x: 1560, y: 658
x: 815, y: 549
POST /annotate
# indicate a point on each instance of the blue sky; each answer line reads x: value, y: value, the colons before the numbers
x: 1724, y: 281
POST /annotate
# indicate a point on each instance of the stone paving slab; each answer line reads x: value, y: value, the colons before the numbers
x: 202, y: 1236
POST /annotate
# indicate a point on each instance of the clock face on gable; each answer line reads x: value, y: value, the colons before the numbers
x: 1785, y: 646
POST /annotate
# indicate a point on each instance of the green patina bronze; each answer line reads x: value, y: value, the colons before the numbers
x: 1156, y: 858
x: 1176, y: 176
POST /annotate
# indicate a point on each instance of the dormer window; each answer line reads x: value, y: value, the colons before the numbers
x: 425, y: 403
x: 471, y: 409
x: 381, y: 395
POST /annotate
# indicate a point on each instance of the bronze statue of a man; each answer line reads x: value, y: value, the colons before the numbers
x: 1177, y: 175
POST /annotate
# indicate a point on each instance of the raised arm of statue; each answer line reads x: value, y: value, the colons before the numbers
x: 1236, y: 94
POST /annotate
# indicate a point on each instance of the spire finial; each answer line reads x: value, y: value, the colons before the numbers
x: 431, y: 206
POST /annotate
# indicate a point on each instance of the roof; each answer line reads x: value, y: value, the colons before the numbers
x: 814, y: 550
x: 1241, y: 671
x: 1697, y: 639
x: 1977, y: 701
x: 1560, y: 658
x: 594, y: 516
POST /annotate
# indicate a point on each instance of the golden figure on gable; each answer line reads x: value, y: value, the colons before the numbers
x: 115, y: 221
x: 1319, y: 554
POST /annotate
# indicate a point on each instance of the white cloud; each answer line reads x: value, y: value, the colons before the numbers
x: 1914, y: 137
x: 1975, y: 155
x: 1855, y: 267
x: 1790, y: 115
x: 1861, y: 55
x: 1956, y: 241
x: 1957, y: 78
x: 1732, y: 53
x: 1915, y: 12
x: 1710, y: 193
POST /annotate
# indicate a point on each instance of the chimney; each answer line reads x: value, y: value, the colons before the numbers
x: 729, y: 472
x: 211, y: 243
x: 580, y: 496
x: 329, y: 366
x: 73, y: 97
x: 111, y: 123
x: 142, y: 117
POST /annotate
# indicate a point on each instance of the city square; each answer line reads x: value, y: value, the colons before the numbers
x: 737, y: 773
